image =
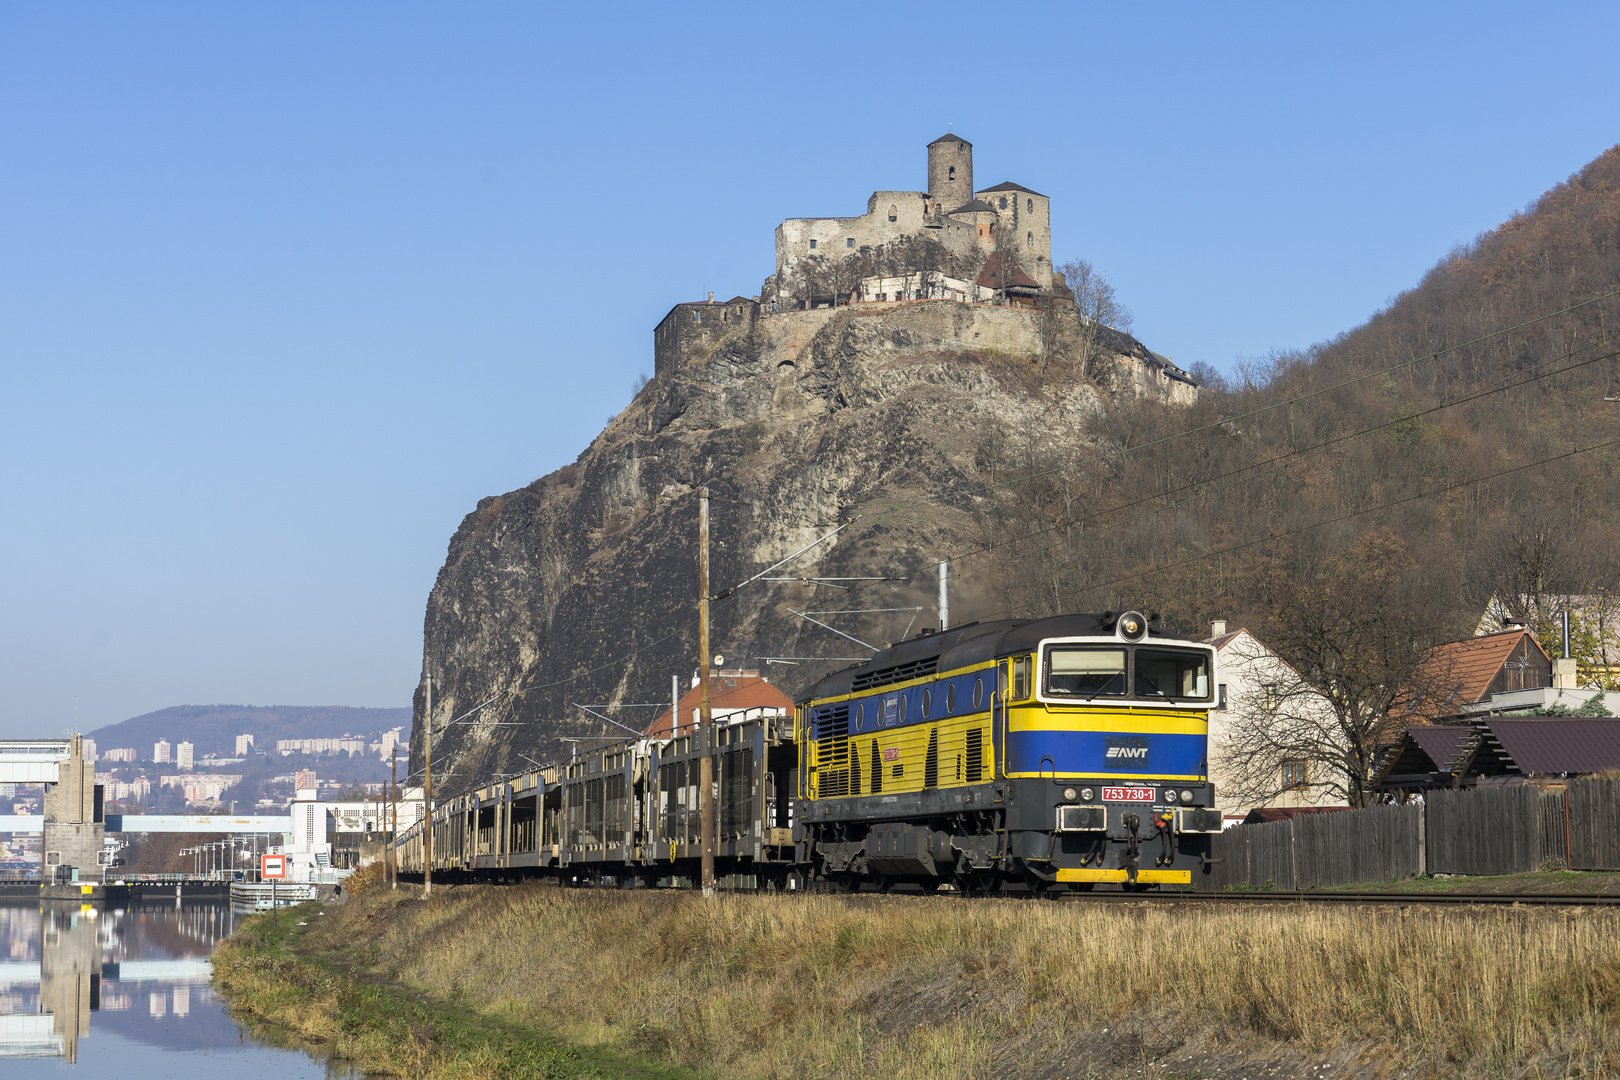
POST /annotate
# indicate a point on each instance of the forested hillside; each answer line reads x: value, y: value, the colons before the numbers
x: 1459, y: 443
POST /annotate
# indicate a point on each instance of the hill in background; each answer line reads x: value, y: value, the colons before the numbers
x: 1465, y: 426
x: 212, y: 729
x: 1457, y: 444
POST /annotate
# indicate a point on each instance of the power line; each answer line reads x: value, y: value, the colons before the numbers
x: 1285, y: 460
x: 1256, y: 412
x: 1332, y: 521
x: 731, y: 593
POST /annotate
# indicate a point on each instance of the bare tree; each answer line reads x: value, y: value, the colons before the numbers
x: 1099, y: 309
x: 1354, y: 642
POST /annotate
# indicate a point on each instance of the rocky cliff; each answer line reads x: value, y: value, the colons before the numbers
x: 581, y: 588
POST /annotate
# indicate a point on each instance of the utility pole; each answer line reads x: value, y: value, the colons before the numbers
x: 393, y: 834
x: 427, y: 793
x: 705, y: 711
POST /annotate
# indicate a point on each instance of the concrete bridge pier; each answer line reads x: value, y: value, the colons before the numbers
x: 73, y: 824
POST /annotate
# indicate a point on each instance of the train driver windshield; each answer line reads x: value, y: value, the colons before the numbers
x: 1085, y: 672
x: 1182, y: 676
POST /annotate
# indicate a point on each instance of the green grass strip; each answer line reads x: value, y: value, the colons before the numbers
x: 384, y: 1028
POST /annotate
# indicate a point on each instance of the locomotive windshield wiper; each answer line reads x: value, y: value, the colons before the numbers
x: 1103, y: 687
x: 1149, y: 680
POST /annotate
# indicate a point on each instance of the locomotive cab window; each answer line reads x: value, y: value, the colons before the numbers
x: 1081, y: 672
x: 1020, y: 691
x: 1183, y: 676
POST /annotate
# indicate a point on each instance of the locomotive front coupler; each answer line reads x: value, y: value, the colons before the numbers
x: 1167, y: 850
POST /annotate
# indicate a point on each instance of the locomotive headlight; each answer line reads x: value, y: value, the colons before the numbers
x: 1169, y: 796
x: 1085, y: 793
x: 1069, y: 794
x: 1132, y: 626
x: 1186, y: 795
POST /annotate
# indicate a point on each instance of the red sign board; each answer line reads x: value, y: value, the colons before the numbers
x: 1128, y: 794
x: 273, y: 867
x: 891, y: 753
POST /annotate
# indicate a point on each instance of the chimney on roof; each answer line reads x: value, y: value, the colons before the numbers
x: 711, y: 296
x: 1564, y: 673
x: 1217, y: 628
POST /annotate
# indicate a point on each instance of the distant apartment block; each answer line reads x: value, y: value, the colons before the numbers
x: 160, y: 751
x: 123, y: 754
x: 385, y: 746
x: 244, y: 743
x: 89, y: 748
x: 184, y: 757
x: 304, y: 780
x: 348, y: 744
x: 201, y: 787
x: 138, y: 789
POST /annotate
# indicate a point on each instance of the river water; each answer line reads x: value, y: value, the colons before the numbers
x: 126, y: 993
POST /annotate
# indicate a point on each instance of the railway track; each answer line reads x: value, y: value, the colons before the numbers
x: 1323, y: 897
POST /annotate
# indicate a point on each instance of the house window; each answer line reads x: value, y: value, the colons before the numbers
x: 894, y: 212
x: 812, y: 245
x: 1268, y: 697
x: 1220, y: 696
x: 1030, y: 205
x: 1029, y: 239
x: 1293, y: 775
x: 1004, y: 202
x: 849, y: 242
x: 951, y: 175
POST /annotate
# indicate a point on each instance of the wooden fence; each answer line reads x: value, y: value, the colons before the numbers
x: 1593, y: 817
x: 1379, y: 843
x: 1504, y: 830
x: 1484, y: 831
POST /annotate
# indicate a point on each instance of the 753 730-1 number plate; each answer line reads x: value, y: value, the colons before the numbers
x: 1129, y: 794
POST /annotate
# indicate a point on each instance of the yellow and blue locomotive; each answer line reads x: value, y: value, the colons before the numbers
x: 1050, y: 753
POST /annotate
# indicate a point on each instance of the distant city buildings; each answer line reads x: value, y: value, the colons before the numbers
x: 185, y: 755
x: 304, y: 780
x: 160, y: 751
x: 125, y: 754
x: 89, y: 748
x: 201, y: 787
x: 139, y: 789
x: 244, y: 743
x: 385, y: 746
x: 348, y: 744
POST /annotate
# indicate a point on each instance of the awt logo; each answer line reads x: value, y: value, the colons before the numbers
x: 1126, y: 752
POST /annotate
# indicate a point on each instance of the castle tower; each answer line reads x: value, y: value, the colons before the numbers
x: 950, y: 173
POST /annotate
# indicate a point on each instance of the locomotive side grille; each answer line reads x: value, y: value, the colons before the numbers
x: 866, y: 680
x: 832, y: 734
x: 975, y: 755
x: 877, y: 770
x: 931, y: 761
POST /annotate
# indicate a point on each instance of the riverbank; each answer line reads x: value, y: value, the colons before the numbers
x: 279, y: 980
x: 908, y: 987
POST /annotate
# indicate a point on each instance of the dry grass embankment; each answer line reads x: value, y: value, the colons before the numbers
x: 906, y: 987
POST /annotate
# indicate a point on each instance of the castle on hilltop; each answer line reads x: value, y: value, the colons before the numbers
x: 987, y: 253
x: 949, y: 242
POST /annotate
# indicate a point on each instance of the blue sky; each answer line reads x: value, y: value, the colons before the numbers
x: 284, y: 289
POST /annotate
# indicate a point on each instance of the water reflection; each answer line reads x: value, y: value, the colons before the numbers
x: 143, y: 974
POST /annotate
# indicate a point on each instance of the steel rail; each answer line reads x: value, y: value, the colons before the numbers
x: 1325, y: 897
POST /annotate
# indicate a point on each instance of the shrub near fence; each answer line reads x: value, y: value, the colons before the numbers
x: 1506, y: 830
